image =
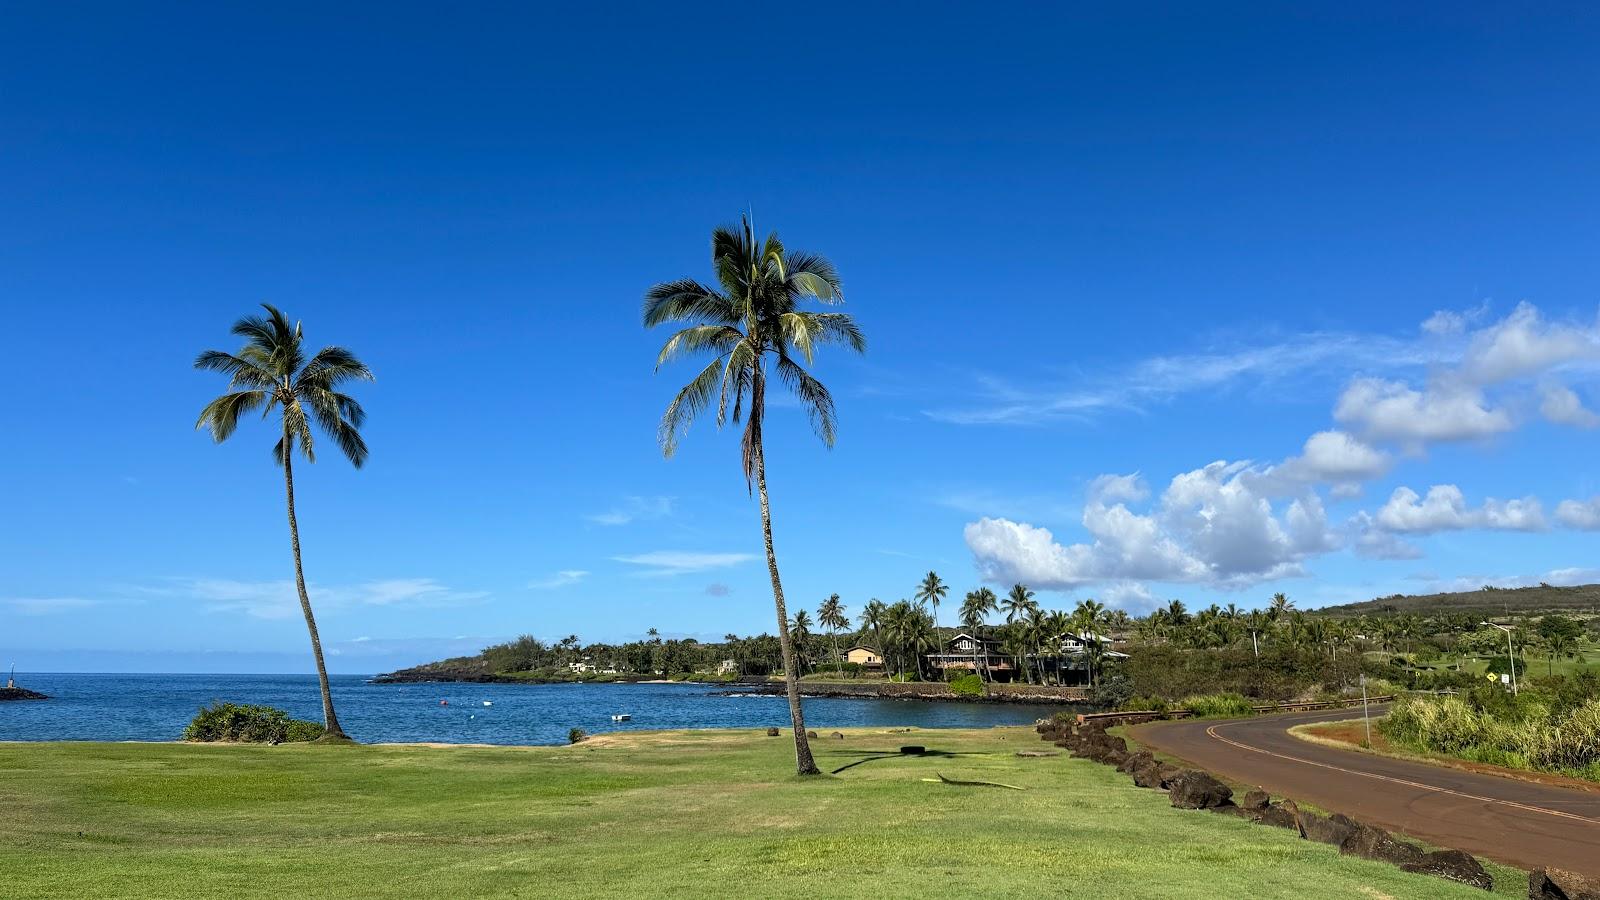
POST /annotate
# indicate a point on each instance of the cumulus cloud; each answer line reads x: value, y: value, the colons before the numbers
x: 560, y: 579
x: 1562, y: 406
x: 1580, y: 514
x: 1523, y: 343
x: 1328, y: 457
x: 670, y: 562
x: 1394, y: 411
x: 1209, y: 526
x: 1445, y: 509
x: 1372, y: 542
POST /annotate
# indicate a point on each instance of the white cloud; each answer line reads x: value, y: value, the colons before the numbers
x: 1565, y: 577
x: 1445, y: 509
x: 45, y: 606
x: 1562, y: 406
x: 560, y: 579
x: 1445, y: 322
x: 1130, y: 595
x: 1523, y: 343
x: 1372, y: 542
x: 633, y: 509
x: 668, y: 562
x: 1393, y: 411
x: 1209, y: 526
x: 1328, y: 457
x: 1580, y: 514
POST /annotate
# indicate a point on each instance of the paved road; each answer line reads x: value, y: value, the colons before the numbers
x: 1516, y: 822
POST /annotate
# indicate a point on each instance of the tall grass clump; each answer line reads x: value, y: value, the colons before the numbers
x: 1527, y: 732
x: 1218, y: 706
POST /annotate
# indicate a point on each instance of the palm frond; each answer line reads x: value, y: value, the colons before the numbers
x: 813, y: 396
x: 720, y: 338
x: 687, y: 300
x: 735, y: 378
x: 339, y: 416
x: 332, y: 366
x: 241, y: 372
x: 811, y: 275
x: 222, y: 414
x: 690, y: 401
x: 299, y: 429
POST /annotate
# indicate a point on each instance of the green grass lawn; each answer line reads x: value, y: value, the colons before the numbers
x: 641, y: 814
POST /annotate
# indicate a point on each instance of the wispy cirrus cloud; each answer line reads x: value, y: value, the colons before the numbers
x: 634, y: 509
x: 45, y: 606
x: 673, y: 562
x: 561, y: 579
x: 280, y: 600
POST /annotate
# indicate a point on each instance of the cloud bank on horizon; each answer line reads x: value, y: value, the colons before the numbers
x: 1233, y: 524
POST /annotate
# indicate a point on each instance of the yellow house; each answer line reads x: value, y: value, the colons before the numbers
x: 866, y: 657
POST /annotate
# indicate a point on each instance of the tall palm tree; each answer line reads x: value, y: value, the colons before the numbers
x: 753, y: 324
x: 799, y: 634
x: 974, y: 610
x: 871, y: 619
x: 1088, y: 619
x: 931, y: 591
x: 1018, y: 603
x: 271, y: 372
x: 830, y: 615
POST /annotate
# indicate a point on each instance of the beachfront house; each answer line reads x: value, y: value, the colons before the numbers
x: 978, y: 655
x: 868, y: 658
x: 581, y: 666
x: 728, y: 667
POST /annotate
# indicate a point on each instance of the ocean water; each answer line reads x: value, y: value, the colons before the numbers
x: 157, y: 707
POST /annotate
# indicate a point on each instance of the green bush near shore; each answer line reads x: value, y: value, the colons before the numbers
x: 1551, y: 727
x: 1218, y: 706
x: 671, y: 814
x: 244, y: 723
x: 967, y: 686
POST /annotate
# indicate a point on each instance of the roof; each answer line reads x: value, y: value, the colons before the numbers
x: 862, y: 647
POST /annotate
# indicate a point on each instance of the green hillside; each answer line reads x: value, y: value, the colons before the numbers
x: 1486, y: 601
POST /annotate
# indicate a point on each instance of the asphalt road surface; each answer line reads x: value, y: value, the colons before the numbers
x: 1516, y: 822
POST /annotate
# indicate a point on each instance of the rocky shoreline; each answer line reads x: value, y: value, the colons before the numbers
x: 938, y: 693
x: 16, y: 693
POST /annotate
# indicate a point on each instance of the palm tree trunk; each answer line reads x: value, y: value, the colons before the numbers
x: 329, y: 719
x: 838, y: 661
x: 803, y: 763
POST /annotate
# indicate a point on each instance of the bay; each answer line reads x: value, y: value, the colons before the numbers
x: 144, y: 707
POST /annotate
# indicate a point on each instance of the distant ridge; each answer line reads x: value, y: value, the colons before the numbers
x: 1485, y: 601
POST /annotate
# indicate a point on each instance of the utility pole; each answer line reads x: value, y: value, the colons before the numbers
x: 1253, y: 644
x: 1366, y: 716
x: 1511, y: 653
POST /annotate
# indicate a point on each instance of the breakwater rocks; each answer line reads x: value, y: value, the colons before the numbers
x: 996, y: 693
x: 16, y: 693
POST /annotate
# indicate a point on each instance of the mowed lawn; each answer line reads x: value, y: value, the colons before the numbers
x: 644, y: 814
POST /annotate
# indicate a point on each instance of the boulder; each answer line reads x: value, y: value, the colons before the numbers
x: 1168, y: 773
x: 1230, y: 809
x: 1456, y: 865
x: 1255, y: 800
x: 1136, y: 760
x: 811, y: 734
x: 1559, y: 884
x: 837, y: 735
x: 1278, y: 817
x: 1147, y: 775
x: 1332, y: 830
x: 1374, y: 843
x: 772, y: 732
x: 1199, y: 790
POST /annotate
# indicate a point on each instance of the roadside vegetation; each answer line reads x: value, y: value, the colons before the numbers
x: 310, y: 820
x: 242, y: 723
x: 1551, y: 725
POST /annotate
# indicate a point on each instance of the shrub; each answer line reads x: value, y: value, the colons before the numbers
x: 1115, y: 689
x: 1215, y: 706
x: 1143, y: 704
x: 249, y: 724
x: 967, y: 686
x: 576, y: 735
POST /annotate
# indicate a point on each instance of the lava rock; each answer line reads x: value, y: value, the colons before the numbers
x: 772, y: 732
x: 1199, y: 790
x: 1334, y: 830
x: 1369, y: 842
x: 1256, y: 800
x: 1560, y: 884
x: 1136, y: 760
x: 1456, y: 865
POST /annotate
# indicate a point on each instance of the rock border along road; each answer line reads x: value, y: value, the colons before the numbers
x: 1516, y: 822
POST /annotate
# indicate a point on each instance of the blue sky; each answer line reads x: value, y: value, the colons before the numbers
x: 1175, y: 302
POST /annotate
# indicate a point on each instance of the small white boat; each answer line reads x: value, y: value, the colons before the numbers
x: 621, y: 717
x: 488, y: 703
